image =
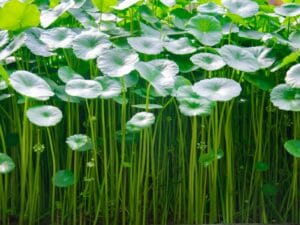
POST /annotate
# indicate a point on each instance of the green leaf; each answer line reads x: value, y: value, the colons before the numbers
x: 16, y: 15
x: 6, y: 164
x: 207, y: 29
x: 206, y: 159
x: 63, y: 178
x: 269, y: 190
x: 104, y: 5
x: 208, y: 61
x: 44, y: 116
x: 261, y: 166
x: 192, y: 104
x: 79, y: 142
x: 293, y: 147
x: 291, y: 58
x: 66, y: 74
x: 260, y: 81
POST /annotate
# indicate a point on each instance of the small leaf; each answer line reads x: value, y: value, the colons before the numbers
x: 79, y: 142
x: 63, y: 178
x: 208, y: 61
x: 181, y: 46
x: 262, y: 166
x: 192, y: 104
x: 66, y: 74
x: 146, y: 45
x: 140, y: 121
x: 293, y: 147
x: 269, y: 190
x: 6, y: 164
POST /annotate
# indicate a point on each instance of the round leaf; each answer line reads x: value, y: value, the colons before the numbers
x: 146, y: 45
x: 30, y: 85
x: 111, y: 88
x: 208, y: 61
x: 293, y: 147
x: 286, y: 98
x: 243, y: 8
x: 44, y: 116
x: 293, y: 76
x: 210, y: 8
x: 35, y: 45
x: 207, y: 29
x: 263, y: 56
x: 239, y: 58
x: 218, y: 89
x: 182, y: 46
x: 63, y: 178
x: 88, y: 89
x: 117, y: 62
x: 66, y: 73
x: 6, y: 164
x: 79, y: 142
x: 140, y: 120
x: 160, y: 73
x: 89, y: 45
x: 59, y: 37
x: 192, y: 104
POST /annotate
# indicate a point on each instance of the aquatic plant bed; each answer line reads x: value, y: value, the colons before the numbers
x: 149, y: 112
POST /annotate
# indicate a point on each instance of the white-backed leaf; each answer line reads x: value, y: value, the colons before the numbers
x: 30, y: 85
x: 117, y: 62
x: 44, y: 116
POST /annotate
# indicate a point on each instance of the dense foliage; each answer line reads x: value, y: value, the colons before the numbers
x: 149, y: 112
